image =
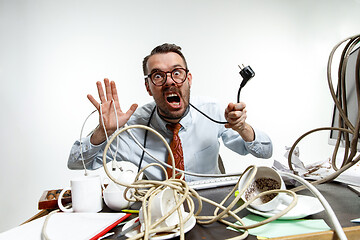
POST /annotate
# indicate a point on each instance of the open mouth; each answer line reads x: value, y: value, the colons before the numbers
x: 173, y: 99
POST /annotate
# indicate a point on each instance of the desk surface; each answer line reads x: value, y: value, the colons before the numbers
x: 345, y: 203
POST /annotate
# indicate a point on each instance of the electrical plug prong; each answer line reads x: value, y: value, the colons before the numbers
x: 246, y: 73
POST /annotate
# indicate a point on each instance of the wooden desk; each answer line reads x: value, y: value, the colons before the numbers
x: 345, y: 203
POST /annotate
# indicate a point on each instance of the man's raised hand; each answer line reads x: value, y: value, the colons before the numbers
x: 108, y: 99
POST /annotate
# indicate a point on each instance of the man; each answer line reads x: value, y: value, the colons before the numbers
x: 168, y: 81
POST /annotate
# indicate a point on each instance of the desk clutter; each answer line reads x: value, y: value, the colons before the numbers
x: 162, y: 209
x: 49, y: 199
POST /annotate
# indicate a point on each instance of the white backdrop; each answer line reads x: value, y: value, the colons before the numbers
x: 53, y: 52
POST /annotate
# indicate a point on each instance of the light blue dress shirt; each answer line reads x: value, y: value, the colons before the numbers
x: 199, y: 138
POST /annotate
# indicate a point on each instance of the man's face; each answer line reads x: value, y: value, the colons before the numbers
x: 172, y: 99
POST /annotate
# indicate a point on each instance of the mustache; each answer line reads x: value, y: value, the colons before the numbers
x: 172, y: 89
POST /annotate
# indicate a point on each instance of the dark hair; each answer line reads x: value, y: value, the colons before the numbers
x: 164, y: 48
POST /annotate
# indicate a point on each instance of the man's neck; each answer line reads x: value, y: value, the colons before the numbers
x: 172, y: 120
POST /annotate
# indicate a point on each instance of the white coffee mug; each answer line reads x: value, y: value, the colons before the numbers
x: 162, y: 203
x: 86, y: 195
x: 265, y: 179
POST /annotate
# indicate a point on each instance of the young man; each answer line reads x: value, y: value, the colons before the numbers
x: 168, y: 81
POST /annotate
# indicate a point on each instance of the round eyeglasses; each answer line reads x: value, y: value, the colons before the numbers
x: 158, y: 78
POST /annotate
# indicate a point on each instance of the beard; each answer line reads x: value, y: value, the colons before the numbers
x: 173, y: 114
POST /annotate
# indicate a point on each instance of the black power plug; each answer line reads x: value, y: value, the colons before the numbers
x: 246, y: 73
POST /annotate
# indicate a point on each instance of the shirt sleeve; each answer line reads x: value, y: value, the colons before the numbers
x: 261, y: 147
x: 92, y: 155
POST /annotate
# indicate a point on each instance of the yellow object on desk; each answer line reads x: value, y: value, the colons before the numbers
x: 130, y: 211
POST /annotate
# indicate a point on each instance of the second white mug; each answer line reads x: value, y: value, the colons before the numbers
x: 86, y: 195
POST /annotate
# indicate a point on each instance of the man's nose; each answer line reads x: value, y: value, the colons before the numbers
x: 169, y: 80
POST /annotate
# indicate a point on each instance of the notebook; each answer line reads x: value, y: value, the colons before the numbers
x: 67, y: 226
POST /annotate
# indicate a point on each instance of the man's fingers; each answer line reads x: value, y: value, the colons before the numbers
x: 131, y: 109
x: 239, y: 106
x: 236, y: 119
x: 115, y: 95
x: 106, y: 99
x: 101, y: 92
x: 235, y: 107
x: 229, y: 108
x: 93, y: 101
x: 108, y: 89
x: 236, y: 114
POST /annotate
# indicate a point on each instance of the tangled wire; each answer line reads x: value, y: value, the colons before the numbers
x: 349, y: 132
x: 145, y: 191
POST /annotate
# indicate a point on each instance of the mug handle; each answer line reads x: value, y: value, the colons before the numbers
x: 60, y: 203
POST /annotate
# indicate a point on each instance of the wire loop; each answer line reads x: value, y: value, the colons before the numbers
x: 345, y: 126
x: 146, y: 190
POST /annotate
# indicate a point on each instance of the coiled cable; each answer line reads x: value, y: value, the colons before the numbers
x: 145, y: 190
x: 345, y: 126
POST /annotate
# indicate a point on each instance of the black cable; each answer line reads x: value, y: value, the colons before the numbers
x: 246, y: 73
x: 145, y: 137
x: 216, y: 121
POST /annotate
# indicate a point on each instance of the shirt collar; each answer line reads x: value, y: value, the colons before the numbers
x: 185, y: 121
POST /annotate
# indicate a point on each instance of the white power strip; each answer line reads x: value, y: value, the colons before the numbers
x: 213, y: 182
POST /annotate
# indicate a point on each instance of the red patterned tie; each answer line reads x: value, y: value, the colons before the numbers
x: 176, y: 148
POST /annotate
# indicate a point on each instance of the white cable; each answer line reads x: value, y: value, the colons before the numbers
x: 44, y: 235
x: 336, y: 224
x: 81, y: 150
x: 107, y: 137
x: 146, y: 189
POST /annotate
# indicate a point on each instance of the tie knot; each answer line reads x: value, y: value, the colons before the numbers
x: 174, y: 127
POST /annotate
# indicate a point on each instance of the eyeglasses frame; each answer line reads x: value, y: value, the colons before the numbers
x: 166, y: 75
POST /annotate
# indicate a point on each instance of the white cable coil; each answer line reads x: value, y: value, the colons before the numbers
x: 176, y: 184
x: 145, y: 190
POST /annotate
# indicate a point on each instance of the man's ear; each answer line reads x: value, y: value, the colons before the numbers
x: 148, y: 87
x: 189, y: 77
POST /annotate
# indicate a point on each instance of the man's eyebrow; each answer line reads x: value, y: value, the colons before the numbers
x: 177, y: 65
x: 155, y: 70
x: 173, y: 67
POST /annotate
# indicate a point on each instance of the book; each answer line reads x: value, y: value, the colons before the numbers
x: 67, y: 226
